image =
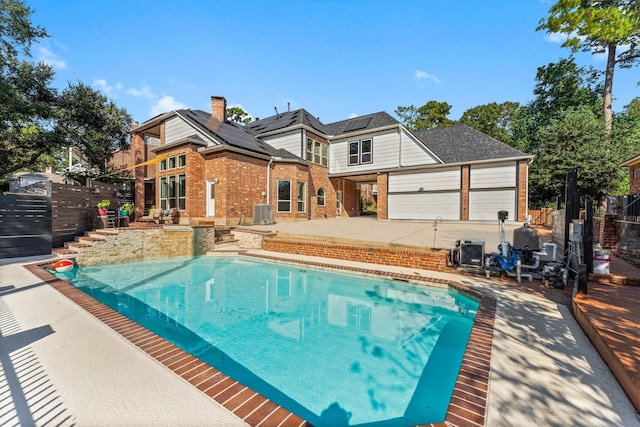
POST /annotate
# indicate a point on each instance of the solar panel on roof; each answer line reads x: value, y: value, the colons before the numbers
x: 356, y: 124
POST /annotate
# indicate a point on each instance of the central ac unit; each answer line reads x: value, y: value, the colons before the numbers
x: 262, y: 214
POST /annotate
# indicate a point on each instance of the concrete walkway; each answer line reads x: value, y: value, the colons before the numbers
x: 63, y: 367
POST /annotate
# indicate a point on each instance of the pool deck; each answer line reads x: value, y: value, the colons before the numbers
x: 61, y: 366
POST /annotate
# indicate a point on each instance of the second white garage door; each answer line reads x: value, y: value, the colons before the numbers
x: 484, y: 205
x: 425, y: 206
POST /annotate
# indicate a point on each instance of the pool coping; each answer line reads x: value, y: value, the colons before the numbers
x: 467, y: 406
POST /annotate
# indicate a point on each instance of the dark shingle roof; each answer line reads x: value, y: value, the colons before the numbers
x: 229, y: 133
x: 461, y: 143
x: 285, y: 120
x: 370, y: 121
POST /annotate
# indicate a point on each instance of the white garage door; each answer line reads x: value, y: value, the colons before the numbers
x: 484, y: 205
x: 424, y: 206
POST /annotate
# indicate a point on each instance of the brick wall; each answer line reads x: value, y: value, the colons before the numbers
x: 318, y: 179
x: 382, y: 202
x: 295, y: 173
x: 413, y: 258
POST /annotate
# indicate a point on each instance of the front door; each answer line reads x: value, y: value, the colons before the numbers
x: 211, y: 198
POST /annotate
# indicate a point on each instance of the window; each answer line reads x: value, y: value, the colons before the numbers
x: 182, y: 192
x: 321, y: 196
x: 163, y: 165
x: 309, y: 149
x: 172, y: 162
x: 317, y: 152
x: 302, y: 196
x: 360, y: 152
x: 182, y: 160
x: 284, y: 196
x: 636, y: 174
x: 163, y: 193
x: 173, y: 192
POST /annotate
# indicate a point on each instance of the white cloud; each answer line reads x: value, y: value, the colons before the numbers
x: 352, y: 115
x: 420, y: 75
x: 165, y: 104
x: 145, y: 92
x: 51, y: 59
x: 104, y: 87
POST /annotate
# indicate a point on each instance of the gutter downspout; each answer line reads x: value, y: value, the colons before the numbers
x: 269, y: 181
x: 400, y: 153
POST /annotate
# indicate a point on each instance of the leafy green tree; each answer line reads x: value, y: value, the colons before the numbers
x: 433, y: 114
x: 492, y: 119
x: 36, y: 121
x: 238, y: 115
x: 558, y: 87
x: 599, y: 26
x: 575, y: 140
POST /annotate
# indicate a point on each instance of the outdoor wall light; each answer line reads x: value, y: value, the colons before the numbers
x: 420, y: 189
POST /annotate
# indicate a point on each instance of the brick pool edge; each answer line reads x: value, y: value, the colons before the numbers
x: 466, y: 408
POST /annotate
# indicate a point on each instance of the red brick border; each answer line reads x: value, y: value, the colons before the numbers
x: 466, y: 408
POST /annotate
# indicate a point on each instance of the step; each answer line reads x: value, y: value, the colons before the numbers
x: 75, y: 245
x: 90, y: 240
x: 101, y: 234
x: 226, y: 238
x: 64, y: 253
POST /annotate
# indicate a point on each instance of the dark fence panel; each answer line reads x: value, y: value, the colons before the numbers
x: 628, y: 238
x: 25, y: 225
x: 74, y: 209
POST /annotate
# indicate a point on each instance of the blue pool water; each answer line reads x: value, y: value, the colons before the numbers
x: 335, y: 349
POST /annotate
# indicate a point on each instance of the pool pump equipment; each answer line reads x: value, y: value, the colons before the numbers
x: 526, y: 258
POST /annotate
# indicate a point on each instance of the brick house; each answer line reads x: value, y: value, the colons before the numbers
x: 634, y: 174
x: 291, y: 167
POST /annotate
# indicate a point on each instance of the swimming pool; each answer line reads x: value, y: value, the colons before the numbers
x: 332, y: 348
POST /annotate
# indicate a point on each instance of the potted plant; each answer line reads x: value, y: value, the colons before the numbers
x: 102, y: 206
x: 128, y: 209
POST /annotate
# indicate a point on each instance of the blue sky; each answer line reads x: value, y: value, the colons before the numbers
x: 337, y: 59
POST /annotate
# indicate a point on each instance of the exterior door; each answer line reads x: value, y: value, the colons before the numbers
x: 211, y: 198
x: 339, y: 203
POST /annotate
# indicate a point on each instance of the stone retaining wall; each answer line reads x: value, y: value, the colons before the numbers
x: 132, y: 244
x: 251, y: 239
x: 385, y: 255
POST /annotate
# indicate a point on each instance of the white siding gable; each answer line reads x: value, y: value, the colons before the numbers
x: 413, y: 152
x: 290, y: 141
x: 176, y: 129
x: 495, y: 175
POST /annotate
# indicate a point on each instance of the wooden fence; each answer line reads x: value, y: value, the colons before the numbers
x: 542, y: 217
x: 25, y: 225
x: 35, y: 224
x: 74, y: 209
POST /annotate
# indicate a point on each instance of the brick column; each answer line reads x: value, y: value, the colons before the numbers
x: 382, y: 204
x: 523, y: 190
x: 138, y: 148
x: 465, y: 176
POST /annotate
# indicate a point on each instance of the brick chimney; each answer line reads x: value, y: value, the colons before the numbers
x: 219, y: 108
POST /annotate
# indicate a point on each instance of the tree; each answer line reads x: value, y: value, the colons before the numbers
x: 492, y: 119
x: 433, y: 114
x: 574, y: 141
x: 238, y: 115
x: 36, y: 121
x: 558, y: 87
x: 599, y: 26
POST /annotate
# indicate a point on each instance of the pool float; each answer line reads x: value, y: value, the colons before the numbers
x: 64, y: 266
